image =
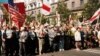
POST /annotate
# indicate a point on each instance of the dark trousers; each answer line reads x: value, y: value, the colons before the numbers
x: 9, y: 48
x: 32, y: 47
x: 51, y: 44
x: 0, y: 49
x: 16, y: 49
x: 22, y: 50
x: 67, y: 43
x: 72, y: 42
x: 61, y: 42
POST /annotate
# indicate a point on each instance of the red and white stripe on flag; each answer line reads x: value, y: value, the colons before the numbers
x: 95, y: 16
x: 46, y: 8
x: 16, y: 17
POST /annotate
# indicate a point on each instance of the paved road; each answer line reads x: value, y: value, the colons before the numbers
x: 86, y: 52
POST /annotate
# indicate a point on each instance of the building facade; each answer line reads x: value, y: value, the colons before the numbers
x: 76, y: 6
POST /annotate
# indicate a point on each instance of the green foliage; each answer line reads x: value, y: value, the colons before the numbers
x: 62, y: 10
x: 90, y: 8
x: 29, y: 18
x: 41, y: 18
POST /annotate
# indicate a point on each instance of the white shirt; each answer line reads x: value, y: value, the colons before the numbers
x: 77, y: 36
x: 51, y: 33
x: 9, y: 33
x: 23, y: 36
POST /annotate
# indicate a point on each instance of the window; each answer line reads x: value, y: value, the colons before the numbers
x: 32, y: 12
x: 73, y: 4
x: 81, y: 2
x: 39, y: 11
x: 39, y: 4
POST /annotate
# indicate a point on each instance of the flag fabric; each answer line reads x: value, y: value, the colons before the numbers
x: 3, y: 1
x: 46, y: 8
x: 95, y: 16
x: 15, y: 15
x: 11, y: 3
x: 20, y: 7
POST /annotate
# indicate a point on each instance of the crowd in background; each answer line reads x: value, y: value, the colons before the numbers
x: 42, y: 38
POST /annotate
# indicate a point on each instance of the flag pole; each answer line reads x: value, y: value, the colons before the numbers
x: 9, y: 18
x: 41, y: 14
x: 97, y: 20
x: 41, y: 18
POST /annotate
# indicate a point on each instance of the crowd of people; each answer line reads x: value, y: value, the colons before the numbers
x: 42, y: 38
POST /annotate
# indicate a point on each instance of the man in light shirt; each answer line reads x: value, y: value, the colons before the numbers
x: 51, y: 34
x: 22, y: 41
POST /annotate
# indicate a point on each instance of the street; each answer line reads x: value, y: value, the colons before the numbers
x: 73, y: 52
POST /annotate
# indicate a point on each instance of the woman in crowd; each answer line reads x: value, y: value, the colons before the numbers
x: 77, y: 39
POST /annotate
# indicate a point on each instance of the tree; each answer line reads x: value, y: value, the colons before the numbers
x: 29, y: 18
x: 90, y: 8
x: 41, y: 18
x: 62, y: 10
x: 5, y: 14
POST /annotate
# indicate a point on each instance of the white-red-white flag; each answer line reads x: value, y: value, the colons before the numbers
x: 95, y: 16
x: 46, y: 8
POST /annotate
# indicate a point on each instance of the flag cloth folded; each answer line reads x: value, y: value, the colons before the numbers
x: 3, y: 1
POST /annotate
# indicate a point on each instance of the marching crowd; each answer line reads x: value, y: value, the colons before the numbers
x: 43, y: 38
